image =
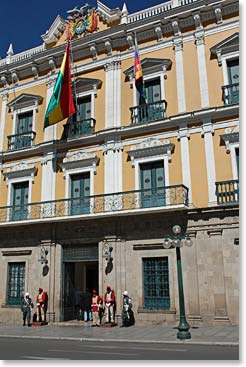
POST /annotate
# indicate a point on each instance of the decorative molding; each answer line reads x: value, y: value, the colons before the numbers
x: 108, y: 46
x: 215, y: 232
x: 130, y: 41
x: 158, y: 32
x: 207, y: 128
x: 230, y: 137
x: 79, y: 159
x: 178, y: 44
x: 25, y: 100
x: 150, y: 148
x: 227, y: 46
x: 56, y: 29
x: 183, y: 133
x: 150, y: 246
x: 218, y: 16
x: 93, y: 51
x: 14, y: 77
x: 52, y: 65
x: 20, y: 170
x: 16, y: 252
x: 199, y: 38
x: 198, y: 22
x: 176, y: 29
x: 35, y: 71
x: 114, y: 145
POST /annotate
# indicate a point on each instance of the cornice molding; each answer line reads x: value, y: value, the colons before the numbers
x: 20, y: 170
x: 77, y: 160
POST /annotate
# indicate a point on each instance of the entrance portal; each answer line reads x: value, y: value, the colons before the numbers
x: 80, y: 272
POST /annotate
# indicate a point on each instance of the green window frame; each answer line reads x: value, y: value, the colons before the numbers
x: 16, y: 283
x: 156, y: 283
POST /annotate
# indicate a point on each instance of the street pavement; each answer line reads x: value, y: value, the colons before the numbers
x: 82, y: 331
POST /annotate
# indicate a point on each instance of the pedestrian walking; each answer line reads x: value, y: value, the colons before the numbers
x: 109, y: 300
x: 96, y: 306
x: 26, y: 308
x: 127, y: 315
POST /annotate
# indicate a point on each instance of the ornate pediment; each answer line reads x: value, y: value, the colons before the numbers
x: 150, y: 66
x: 228, y: 45
x: 230, y: 137
x: 151, y: 148
x: 20, y: 170
x: 78, y: 159
x: 57, y: 28
x: 86, y: 84
x: 25, y: 100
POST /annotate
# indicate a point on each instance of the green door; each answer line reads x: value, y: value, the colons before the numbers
x: 82, y: 118
x: 80, y: 192
x: 153, y: 93
x: 152, y: 184
x: 233, y: 76
x: 20, y: 201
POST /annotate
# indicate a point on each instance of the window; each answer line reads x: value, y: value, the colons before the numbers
x: 232, y: 93
x: 16, y: 283
x: 24, y: 136
x: 80, y: 193
x: 20, y: 200
x: 152, y: 184
x: 81, y: 122
x: 156, y: 283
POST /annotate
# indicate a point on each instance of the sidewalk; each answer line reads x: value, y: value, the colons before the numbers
x: 77, y: 330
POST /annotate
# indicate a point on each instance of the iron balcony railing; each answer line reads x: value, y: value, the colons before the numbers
x: 21, y: 141
x: 148, y: 112
x: 230, y: 94
x: 227, y: 192
x: 78, y: 128
x: 121, y: 201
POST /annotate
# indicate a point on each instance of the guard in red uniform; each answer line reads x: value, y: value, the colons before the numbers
x: 109, y: 300
x: 42, y: 304
x: 96, y: 305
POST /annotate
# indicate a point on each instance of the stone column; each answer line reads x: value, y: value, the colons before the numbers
x: 113, y: 94
x: 112, y: 165
x: 207, y: 132
x: 48, y: 176
x: 3, y: 119
x: 178, y: 49
x: 202, y: 68
x: 183, y: 136
x: 50, y: 132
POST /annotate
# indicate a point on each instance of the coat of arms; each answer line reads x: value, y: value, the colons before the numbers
x: 82, y: 21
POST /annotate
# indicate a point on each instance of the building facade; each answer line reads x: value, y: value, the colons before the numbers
x: 87, y: 202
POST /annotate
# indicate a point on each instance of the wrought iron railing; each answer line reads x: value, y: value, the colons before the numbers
x: 21, y: 141
x: 148, y: 112
x: 96, y: 204
x: 227, y: 192
x: 231, y: 94
x: 78, y: 128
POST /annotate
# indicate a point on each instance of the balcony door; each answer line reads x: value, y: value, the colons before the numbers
x: 80, y: 192
x: 153, y: 94
x: 23, y: 130
x: 20, y: 201
x: 152, y: 184
x: 233, y: 78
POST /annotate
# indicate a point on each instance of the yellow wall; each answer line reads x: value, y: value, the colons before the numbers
x: 191, y: 77
x: 199, y: 181
x: 223, y: 165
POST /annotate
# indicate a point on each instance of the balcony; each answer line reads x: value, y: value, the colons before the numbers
x: 227, y: 192
x: 148, y: 112
x: 139, y: 200
x: 230, y: 94
x: 79, y: 128
x: 21, y: 141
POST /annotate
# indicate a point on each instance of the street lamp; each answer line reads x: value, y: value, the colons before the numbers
x: 177, y: 240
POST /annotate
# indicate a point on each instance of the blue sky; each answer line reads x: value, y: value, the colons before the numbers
x: 24, y: 21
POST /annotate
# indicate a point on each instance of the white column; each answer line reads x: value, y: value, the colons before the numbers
x: 207, y: 131
x: 3, y: 120
x: 202, y: 68
x: 112, y: 166
x: 183, y: 136
x: 178, y: 48
x: 113, y: 94
x: 50, y: 132
x: 48, y: 189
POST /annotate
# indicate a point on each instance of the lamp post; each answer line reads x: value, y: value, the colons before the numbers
x: 177, y: 240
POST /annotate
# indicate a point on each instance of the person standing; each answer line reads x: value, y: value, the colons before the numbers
x: 96, y: 305
x: 87, y: 306
x: 127, y: 315
x: 26, y: 308
x: 109, y: 300
x: 42, y: 304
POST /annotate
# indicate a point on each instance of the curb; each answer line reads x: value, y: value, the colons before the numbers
x: 184, y: 342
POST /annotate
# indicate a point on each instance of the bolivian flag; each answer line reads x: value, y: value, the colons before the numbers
x: 138, y: 76
x: 61, y: 103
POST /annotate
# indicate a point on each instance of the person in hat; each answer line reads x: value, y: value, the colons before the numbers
x: 96, y: 305
x: 109, y: 301
x: 42, y: 304
x: 127, y: 315
x: 26, y: 308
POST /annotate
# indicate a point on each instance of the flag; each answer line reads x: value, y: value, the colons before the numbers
x: 61, y: 103
x: 138, y: 76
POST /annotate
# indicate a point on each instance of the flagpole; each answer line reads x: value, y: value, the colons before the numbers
x: 72, y: 64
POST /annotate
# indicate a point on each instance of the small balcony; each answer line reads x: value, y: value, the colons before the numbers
x: 21, y: 141
x: 227, y: 192
x: 164, y: 198
x: 148, y: 112
x: 230, y: 94
x: 79, y: 128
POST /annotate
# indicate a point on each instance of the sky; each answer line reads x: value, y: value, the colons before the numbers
x: 24, y: 21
